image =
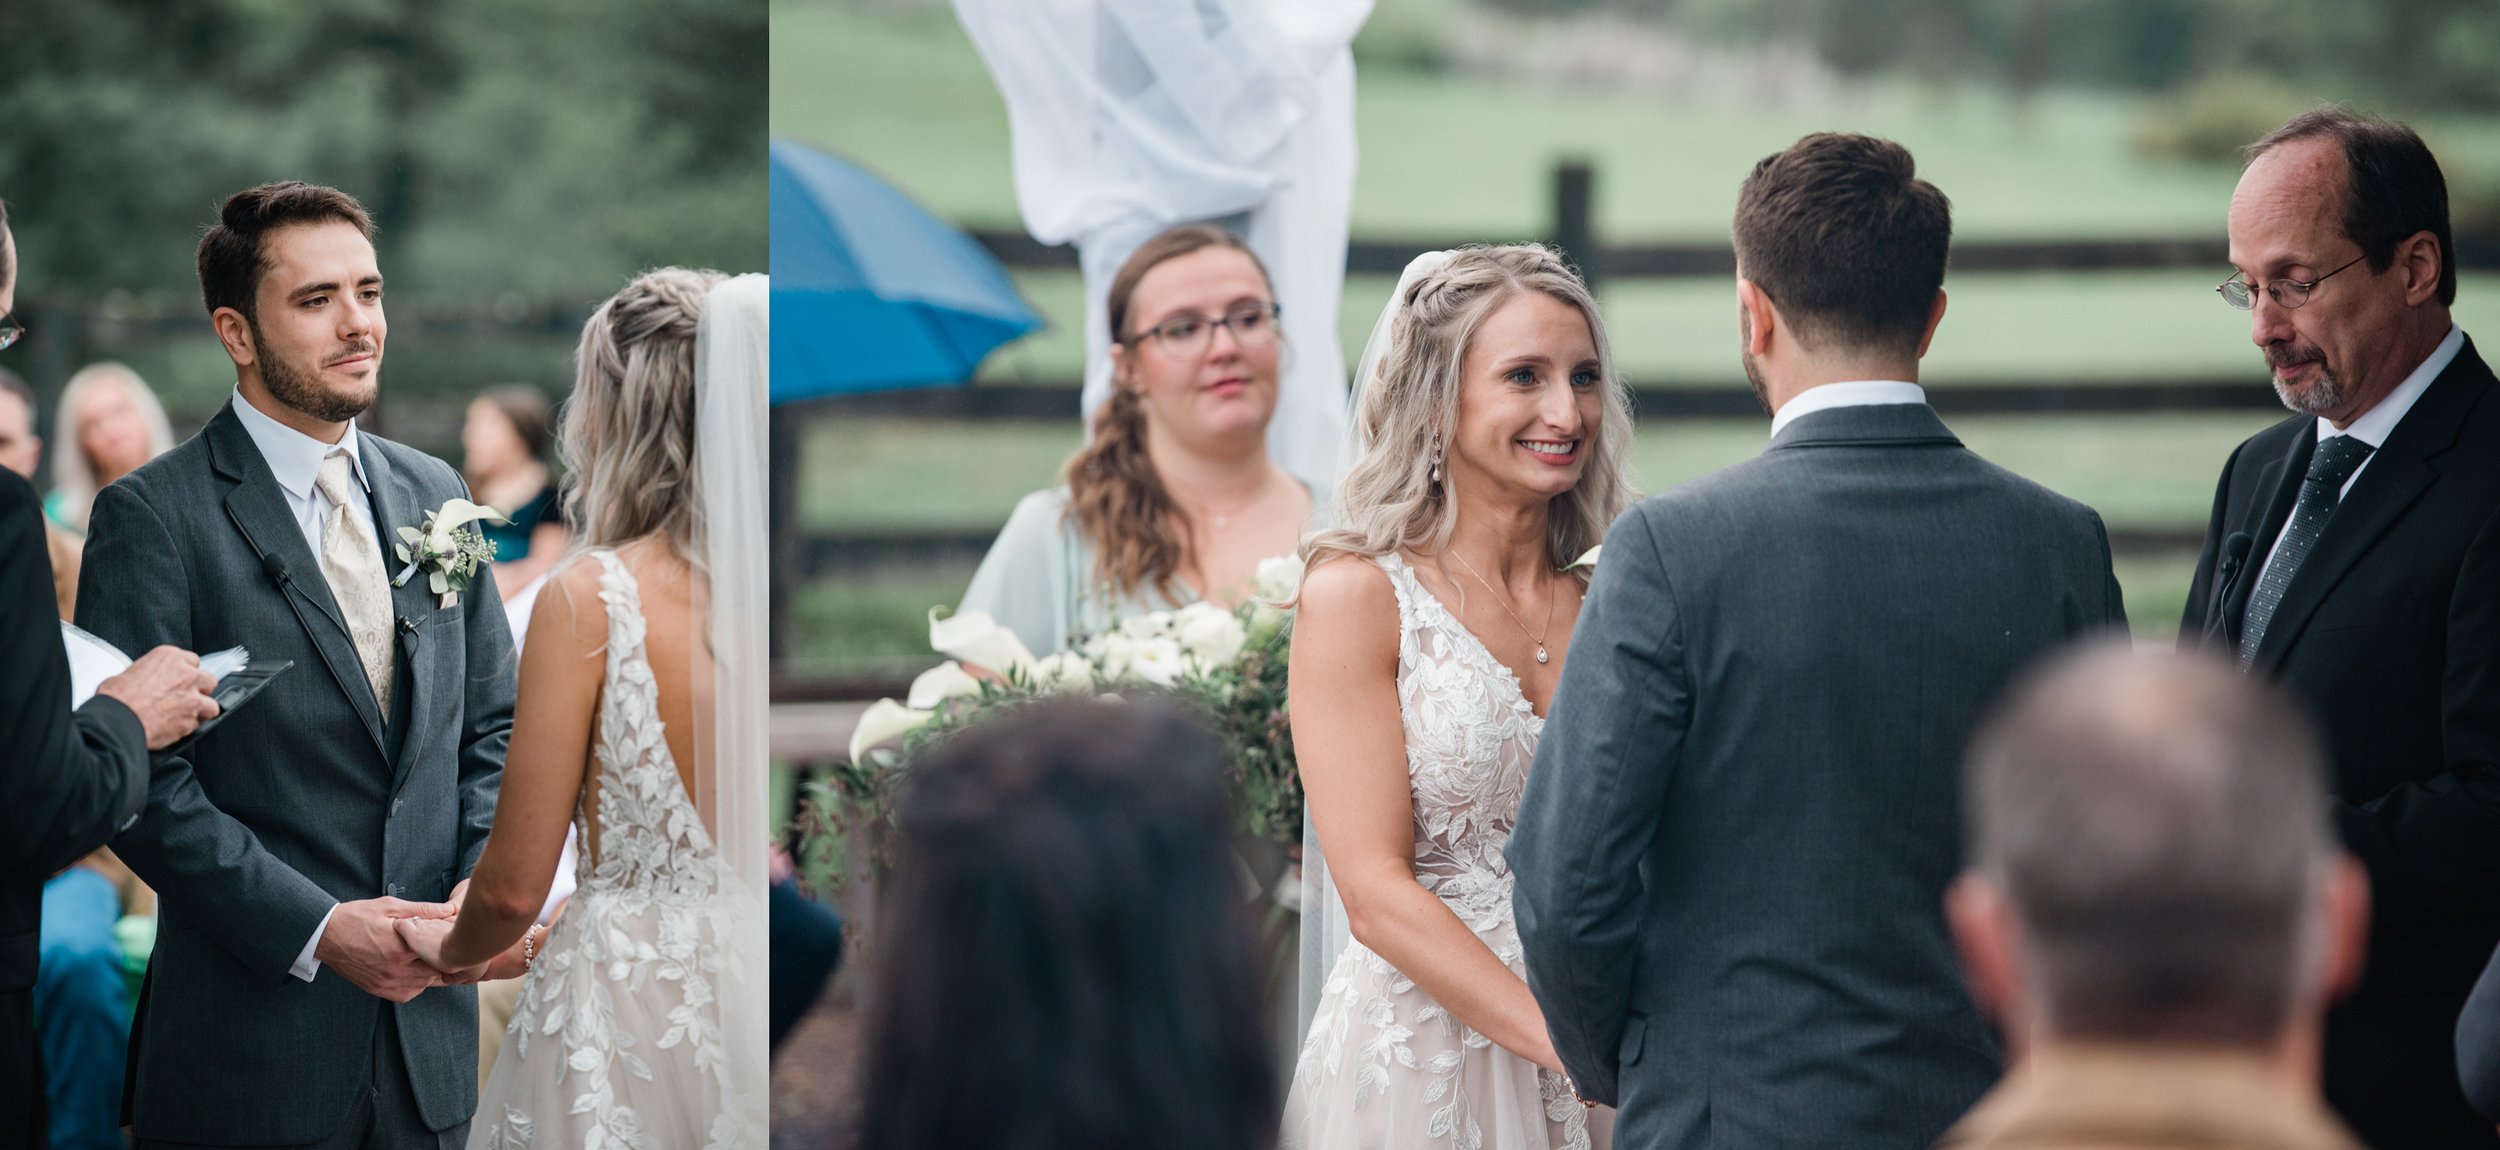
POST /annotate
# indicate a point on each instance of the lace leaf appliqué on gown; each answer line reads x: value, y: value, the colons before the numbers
x: 1385, y: 1065
x: 615, y: 1043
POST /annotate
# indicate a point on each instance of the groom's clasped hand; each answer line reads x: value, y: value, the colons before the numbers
x: 392, y: 948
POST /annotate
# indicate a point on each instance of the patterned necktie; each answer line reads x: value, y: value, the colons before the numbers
x: 352, y: 562
x: 2334, y: 461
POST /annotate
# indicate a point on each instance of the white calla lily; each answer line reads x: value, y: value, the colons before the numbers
x: 1587, y: 559
x: 976, y: 638
x: 947, y: 680
x: 884, y: 720
x: 459, y: 513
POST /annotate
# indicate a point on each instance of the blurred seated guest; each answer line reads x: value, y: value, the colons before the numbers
x: 2155, y: 910
x: 20, y: 451
x: 107, y: 424
x: 807, y: 949
x: 1063, y: 901
x: 1175, y: 498
x: 503, y: 455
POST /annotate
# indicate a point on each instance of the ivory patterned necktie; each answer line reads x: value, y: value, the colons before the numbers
x: 2334, y: 461
x: 352, y: 563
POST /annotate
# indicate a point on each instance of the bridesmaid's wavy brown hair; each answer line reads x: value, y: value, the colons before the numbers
x: 1116, y: 500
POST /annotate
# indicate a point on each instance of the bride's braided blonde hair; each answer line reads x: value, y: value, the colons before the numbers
x: 629, y: 430
x: 1389, y: 501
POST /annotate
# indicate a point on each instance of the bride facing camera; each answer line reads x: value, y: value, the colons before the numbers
x: 1175, y: 499
x: 1431, y: 633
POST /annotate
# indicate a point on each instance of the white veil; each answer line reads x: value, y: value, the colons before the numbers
x: 732, y: 343
x: 1325, y: 930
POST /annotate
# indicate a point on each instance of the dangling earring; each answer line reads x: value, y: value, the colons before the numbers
x: 1436, y: 459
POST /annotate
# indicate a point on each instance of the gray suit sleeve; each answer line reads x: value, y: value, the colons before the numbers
x: 1592, y: 805
x: 133, y: 592
x: 486, y: 717
x: 2114, y: 614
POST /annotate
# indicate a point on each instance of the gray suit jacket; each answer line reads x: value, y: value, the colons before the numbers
x: 306, y: 797
x: 1733, y: 850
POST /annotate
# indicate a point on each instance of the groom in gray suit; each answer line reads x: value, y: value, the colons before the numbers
x: 1733, y: 851
x: 281, y: 1007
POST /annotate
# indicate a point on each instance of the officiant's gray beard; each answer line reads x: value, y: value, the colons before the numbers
x: 291, y: 385
x: 2326, y: 395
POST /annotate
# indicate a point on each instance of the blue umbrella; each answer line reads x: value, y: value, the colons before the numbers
x: 870, y: 291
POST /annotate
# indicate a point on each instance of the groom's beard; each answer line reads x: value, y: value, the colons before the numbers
x: 301, y: 388
x: 1753, y: 371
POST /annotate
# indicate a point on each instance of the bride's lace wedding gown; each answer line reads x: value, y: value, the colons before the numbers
x: 1385, y: 1067
x: 616, y: 1041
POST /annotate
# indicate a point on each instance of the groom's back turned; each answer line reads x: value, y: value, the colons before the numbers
x: 1744, y: 813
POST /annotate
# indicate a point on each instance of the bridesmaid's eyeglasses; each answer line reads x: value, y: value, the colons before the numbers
x: 1189, y: 336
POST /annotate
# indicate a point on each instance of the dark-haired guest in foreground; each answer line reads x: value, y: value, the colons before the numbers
x: 2354, y: 556
x: 2155, y: 910
x: 1732, y: 855
x: 1063, y: 960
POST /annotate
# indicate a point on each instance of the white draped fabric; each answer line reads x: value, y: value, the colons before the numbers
x: 1130, y: 116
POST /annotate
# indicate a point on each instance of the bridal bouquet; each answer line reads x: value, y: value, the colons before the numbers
x: 1229, y: 666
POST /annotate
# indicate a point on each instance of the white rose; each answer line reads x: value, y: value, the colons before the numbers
x: 975, y: 638
x: 1063, y: 672
x: 1158, y: 661
x: 441, y: 543
x: 1111, y: 651
x: 1279, y: 577
x: 884, y: 720
x: 1210, y: 633
x: 947, y: 680
x: 1147, y: 626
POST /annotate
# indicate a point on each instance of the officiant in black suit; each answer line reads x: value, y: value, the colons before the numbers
x: 69, y: 779
x: 2354, y: 555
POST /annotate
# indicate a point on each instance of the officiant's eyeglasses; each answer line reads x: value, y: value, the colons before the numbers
x: 2288, y: 294
x: 11, y: 331
x: 1189, y: 336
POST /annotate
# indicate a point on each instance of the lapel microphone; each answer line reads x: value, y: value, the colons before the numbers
x: 2235, y: 549
x: 407, y: 626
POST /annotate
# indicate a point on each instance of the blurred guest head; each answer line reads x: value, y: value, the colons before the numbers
x: 1194, y: 352
x: 2339, y: 231
x: 20, y: 448
x: 291, y: 283
x: 107, y: 423
x: 1064, y: 902
x: 2150, y: 862
x: 508, y: 429
x: 1840, y: 254
x: 1496, y: 384
x: 629, y: 433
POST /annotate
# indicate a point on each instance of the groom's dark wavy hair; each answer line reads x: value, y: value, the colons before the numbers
x: 233, y: 256
x: 1065, y: 959
x: 1846, y: 240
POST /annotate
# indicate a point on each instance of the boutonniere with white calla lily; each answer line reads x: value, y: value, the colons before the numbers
x: 1227, y: 664
x: 1587, y: 559
x: 449, y: 549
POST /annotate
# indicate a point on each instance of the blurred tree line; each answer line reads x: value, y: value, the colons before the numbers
x: 2418, y: 55
x: 522, y: 159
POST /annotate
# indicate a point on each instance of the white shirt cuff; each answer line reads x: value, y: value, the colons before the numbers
x: 306, y: 966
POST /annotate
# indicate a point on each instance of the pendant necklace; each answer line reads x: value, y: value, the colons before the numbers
x: 1514, y: 615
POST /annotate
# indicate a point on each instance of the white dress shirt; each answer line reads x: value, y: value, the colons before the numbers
x: 1850, y: 393
x: 295, y: 459
x: 2375, y: 424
